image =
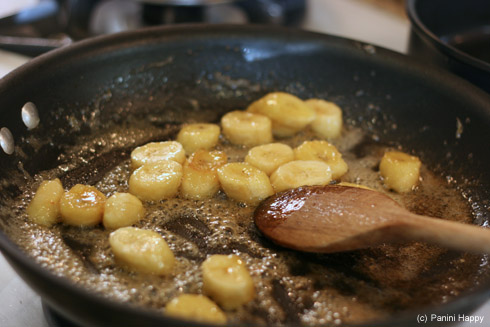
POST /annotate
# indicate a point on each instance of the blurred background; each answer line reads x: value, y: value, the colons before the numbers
x: 31, y: 27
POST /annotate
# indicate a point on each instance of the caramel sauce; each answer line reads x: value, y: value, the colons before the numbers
x: 291, y: 287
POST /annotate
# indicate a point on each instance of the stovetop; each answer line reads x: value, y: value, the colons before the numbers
x: 363, y: 20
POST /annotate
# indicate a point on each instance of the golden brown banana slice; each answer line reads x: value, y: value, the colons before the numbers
x: 198, y: 136
x: 155, y: 152
x: 142, y: 250
x: 323, y: 151
x: 244, y: 182
x: 82, y: 205
x: 200, y: 176
x: 328, y: 120
x: 289, y: 114
x: 44, y: 208
x: 226, y: 279
x: 268, y: 157
x: 245, y: 128
x: 195, y: 307
x: 122, y: 209
x: 157, y: 181
x: 400, y: 171
x: 300, y: 173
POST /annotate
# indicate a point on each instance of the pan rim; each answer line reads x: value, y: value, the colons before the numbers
x: 160, y: 33
x: 425, y: 32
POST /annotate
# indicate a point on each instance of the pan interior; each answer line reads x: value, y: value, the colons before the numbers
x: 97, y: 108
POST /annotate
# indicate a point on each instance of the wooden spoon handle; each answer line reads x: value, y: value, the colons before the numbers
x: 451, y: 234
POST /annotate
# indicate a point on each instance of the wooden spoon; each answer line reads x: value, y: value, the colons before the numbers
x: 340, y: 218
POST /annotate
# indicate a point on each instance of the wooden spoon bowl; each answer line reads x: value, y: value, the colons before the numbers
x: 338, y: 218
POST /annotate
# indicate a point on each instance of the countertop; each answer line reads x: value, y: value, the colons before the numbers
x: 380, y: 22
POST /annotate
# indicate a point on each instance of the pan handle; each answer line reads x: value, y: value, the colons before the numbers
x: 35, y: 30
x: 32, y: 46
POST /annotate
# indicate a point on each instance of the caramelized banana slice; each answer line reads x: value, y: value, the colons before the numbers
x: 44, y: 208
x: 288, y: 113
x: 195, y: 307
x: 268, y: 157
x: 142, y: 250
x: 300, y: 173
x: 122, y: 209
x: 322, y: 151
x: 244, y: 183
x: 200, y: 177
x: 82, y: 205
x: 157, y: 181
x: 155, y: 152
x: 328, y: 120
x: 198, y: 136
x: 225, y: 279
x: 400, y: 171
x: 245, y: 128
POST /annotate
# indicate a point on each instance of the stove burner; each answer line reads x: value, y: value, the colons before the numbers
x: 55, y: 23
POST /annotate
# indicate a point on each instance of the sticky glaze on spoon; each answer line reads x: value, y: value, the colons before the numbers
x: 341, y: 218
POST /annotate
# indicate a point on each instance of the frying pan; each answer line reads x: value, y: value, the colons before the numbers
x: 452, y: 35
x: 161, y: 72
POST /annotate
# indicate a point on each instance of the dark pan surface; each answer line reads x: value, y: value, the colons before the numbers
x: 160, y: 74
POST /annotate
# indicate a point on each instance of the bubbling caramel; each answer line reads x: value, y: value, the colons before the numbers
x: 291, y: 287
